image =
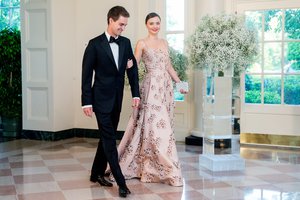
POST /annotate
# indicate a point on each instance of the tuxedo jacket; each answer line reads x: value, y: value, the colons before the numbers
x: 102, y: 82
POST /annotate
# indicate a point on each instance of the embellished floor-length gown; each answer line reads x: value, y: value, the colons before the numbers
x: 147, y: 149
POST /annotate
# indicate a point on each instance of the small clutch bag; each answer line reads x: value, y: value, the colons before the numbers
x: 182, y: 85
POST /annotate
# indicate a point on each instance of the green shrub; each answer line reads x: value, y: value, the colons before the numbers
x: 10, y: 73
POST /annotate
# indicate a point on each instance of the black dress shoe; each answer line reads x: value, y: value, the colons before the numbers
x: 93, y: 179
x: 123, y: 191
x: 107, y: 173
x: 127, y: 190
x: 101, y: 181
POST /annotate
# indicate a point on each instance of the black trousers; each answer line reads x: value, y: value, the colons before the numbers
x: 107, y: 149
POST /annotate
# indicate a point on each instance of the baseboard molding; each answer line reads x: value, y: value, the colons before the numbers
x: 194, y: 140
x: 270, y: 140
x: 198, y: 141
x: 64, y: 134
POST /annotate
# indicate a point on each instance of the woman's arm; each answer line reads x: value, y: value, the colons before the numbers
x: 171, y: 69
x: 139, y: 51
x: 137, y: 54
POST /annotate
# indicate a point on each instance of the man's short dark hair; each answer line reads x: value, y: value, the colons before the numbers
x: 115, y: 13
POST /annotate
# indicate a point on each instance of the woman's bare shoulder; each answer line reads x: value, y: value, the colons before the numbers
x: 165, y: 42
x: 141, y: 42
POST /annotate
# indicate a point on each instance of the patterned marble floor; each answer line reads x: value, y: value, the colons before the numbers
x: 41, y: 170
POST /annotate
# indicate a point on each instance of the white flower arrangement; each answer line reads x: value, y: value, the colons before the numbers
x: 222, y: 41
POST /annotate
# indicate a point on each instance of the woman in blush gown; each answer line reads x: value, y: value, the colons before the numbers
x: 147, y: 150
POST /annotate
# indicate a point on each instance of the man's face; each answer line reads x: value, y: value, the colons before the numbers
x: 115, y: 28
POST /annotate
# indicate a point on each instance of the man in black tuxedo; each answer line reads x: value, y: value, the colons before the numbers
x: 103, y: 72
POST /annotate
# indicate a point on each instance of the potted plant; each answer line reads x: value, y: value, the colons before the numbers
x: 10, y: 82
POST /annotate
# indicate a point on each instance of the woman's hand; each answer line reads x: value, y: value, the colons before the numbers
x: 129, y: 64
x: 182, y: 91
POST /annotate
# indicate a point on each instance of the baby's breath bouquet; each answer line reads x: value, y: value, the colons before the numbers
x: 220, y: 42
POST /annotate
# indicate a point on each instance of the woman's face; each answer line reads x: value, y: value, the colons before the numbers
x: 153, y: 25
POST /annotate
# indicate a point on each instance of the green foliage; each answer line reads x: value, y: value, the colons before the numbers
x: 294, y: 54
x: 291, y: 29
x: 9, y: 14
x: 292, y: 90
x: 178, y: 96
x: 6, y: 3
x: 269, y: 15
x: 178, y: 61
x: 272, y: 98
x: 10, y: 73
x: 292, y: 23
x: 253, y: 89
x: 252, y: 83
x: 272, y: 84
x: 253, y: 96
x: 272, y: 93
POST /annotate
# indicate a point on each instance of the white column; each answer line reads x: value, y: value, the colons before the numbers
x: 37, y: 74
x: 202, y: 8
x: 48, y: 54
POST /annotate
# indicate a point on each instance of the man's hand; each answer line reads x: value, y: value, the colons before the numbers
x: 88, y: 111
x: 135, y: 102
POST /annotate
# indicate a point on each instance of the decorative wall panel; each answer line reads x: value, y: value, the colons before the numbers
x: 36, y: 26
x: 37, y: 62
x: 37, y: 100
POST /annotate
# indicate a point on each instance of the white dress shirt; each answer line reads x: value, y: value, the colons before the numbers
x: 114, y: 48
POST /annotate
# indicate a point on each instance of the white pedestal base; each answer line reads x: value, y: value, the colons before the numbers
x: 227, y: 162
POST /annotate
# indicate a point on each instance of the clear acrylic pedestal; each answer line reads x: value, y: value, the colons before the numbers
x: 222, y: 162
x: 217, y: 125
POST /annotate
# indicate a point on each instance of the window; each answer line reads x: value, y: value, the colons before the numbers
x: 275, y: 76
x: 175, y: 24
x: 175, y: 30
x: 9, y: 14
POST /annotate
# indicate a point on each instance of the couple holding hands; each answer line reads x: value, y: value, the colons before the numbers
x: 147, y: 150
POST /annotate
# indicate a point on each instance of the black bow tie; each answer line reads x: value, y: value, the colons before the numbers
x: 112, y: 39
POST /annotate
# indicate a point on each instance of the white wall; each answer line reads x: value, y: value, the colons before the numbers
x: 63, y: 47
